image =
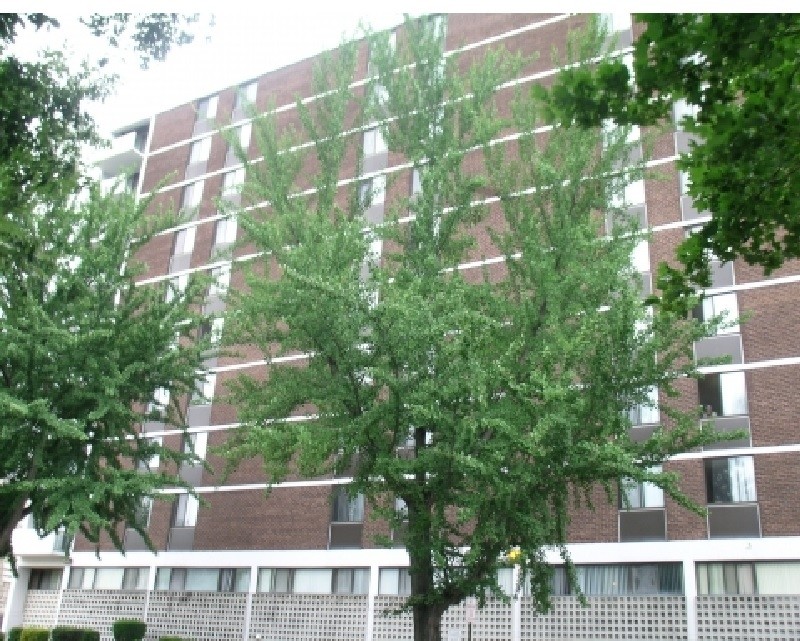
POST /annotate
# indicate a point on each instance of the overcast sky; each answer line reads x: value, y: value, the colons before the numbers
x: 240, y: 45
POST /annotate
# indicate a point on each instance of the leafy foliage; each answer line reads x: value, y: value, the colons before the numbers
x: 128, y: 630
x: 740, y: 71
x: 69, y: 633
x: 81, y: 348
x: 487, y: 402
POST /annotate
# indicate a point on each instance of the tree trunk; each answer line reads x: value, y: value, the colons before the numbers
x: 428, y: 622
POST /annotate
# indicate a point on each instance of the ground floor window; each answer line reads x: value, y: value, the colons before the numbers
x: 769, y: 577
x: 204, y: 579
x: 620, y: 579
x: 45, y: 579
x: 314, y: 580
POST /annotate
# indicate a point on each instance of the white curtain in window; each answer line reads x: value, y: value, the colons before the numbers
x: 734, y: 393
x: 742, y: 476
x: 264, y: 583
x: 200, y: 150
x: 312, y: 581
x: 184, y: 242
x: 162, y: 579
x: 108, y: 578
x: 778, y: 578
x: 388, y: 581
x: 242, y: 583
x: 205, y: 579
x: 193, y: 194
x: 606, y: 580
x: 505, y: 579
x: 360, y: 581
x: 726, y: 306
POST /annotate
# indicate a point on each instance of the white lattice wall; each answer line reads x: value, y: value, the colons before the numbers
x: 98, y: 609
x: 200, y: 616
x: 391, y: 627
x: 638, y: 618
x: 296, y: 617
x: 750, y: 618
x: 492, y: 622
x: 40, y: 608
x: 5, y: 586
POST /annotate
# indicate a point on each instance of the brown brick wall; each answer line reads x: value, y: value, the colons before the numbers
x: 777, y: 486
x: 299, y: 517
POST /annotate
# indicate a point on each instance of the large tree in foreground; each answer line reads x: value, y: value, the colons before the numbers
x: 473, y: 405
x: 738, y: 74
x: 83, y: 352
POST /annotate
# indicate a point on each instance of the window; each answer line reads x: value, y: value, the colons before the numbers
x: 213, y: 330
x: 392, y: 47
x: 722, y: 394
x: 722, y: 305
x: 730, y: 480
x: 622, y: 579
x: 416, y: 181
x: 200, y: 150
x: 635, y: 495
x: 184, y: 513
x: 394, y: 581
x: 207, y: 108
x: 176, y: 287
x: 374, y: 142
x: 232, y: 182
x: 44, y: 579
x: 225, y: 232
x: 346, y: 508
x: 372, y: 191
x: 646, y: 413
x: 108, y: 578
x: 192, y: 195
x: 196, y: 443
x: 221, y: 280
x: 204, y: 579
x: 204, y: 390
x: 160, y: 402
x: 141, y: 516
x: 314, y: 580
x: 682, y: 109
x: 243, y: 134
x: 246, y: 95
x: 748, y: 578
x: 184, y: 240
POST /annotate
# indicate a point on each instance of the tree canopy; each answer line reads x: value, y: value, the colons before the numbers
x: 470, y: 407
x: 81, y: 348
x: 739, y: 73
x: 83, y: 351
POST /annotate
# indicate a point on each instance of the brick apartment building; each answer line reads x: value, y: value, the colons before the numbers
x: 302, y: 563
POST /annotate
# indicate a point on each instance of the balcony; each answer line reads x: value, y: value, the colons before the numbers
x: 126, y: 154
x: 28, y: 543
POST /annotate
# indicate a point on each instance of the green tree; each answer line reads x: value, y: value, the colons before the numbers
x: 43, y: 121
x: 740, y: 72
x: 506, y: 393
x: 83, y: 351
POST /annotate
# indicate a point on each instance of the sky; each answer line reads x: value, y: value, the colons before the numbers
x: 239, y: 45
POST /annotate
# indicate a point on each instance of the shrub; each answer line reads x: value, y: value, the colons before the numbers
x: 2, y: 637
x: 128, y: 630
x: 171, y: 639
x: 14, y: 634
x: 69, y: 633
x: 34, y: 634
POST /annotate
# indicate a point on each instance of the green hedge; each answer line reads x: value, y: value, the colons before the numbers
x: 69, y: 633
x: 171, y: 639
x: 14, y: 634
x: 34, y: 634
x: 129, y: 630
